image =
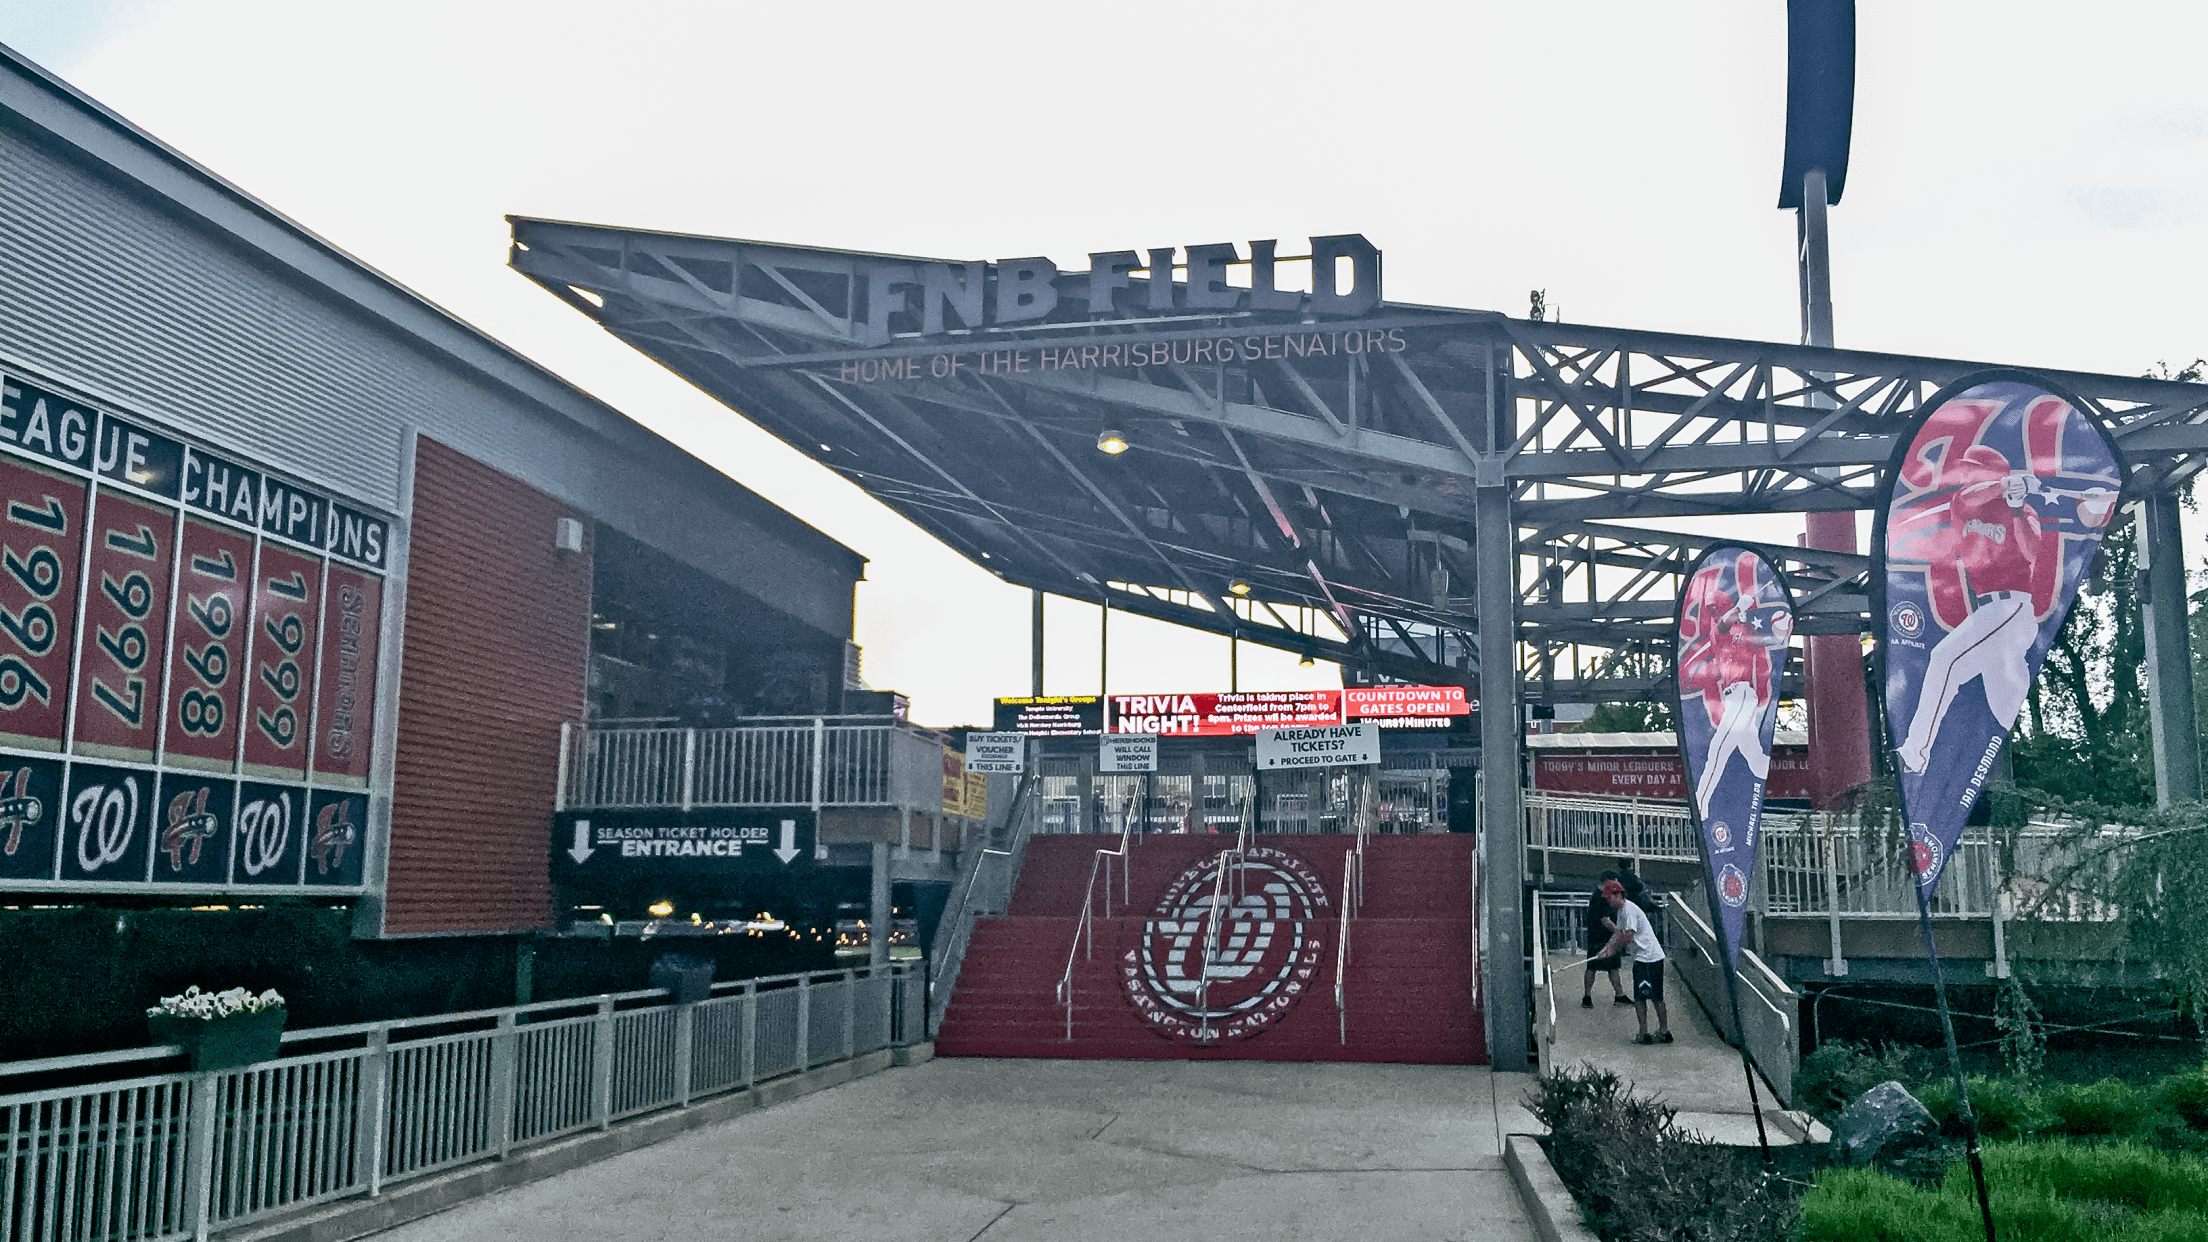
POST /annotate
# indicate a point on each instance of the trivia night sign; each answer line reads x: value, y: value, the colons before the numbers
x: 1994, y: 511
x: 1734, y: 619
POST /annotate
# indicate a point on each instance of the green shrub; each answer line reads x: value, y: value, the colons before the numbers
x: 1830, y: 1078
x: 2045, y: 1191
x: 2186, y: 1096
x: 2103, y: 1109
x: 2004, y: 1110
x: 1640, y: 1178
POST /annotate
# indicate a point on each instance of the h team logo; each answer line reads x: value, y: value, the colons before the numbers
x: 1192, y: 981
x: 334, y: 833
x: 191, y: 824
x: 1732, y: 886
x: 18, y: 811
x: 1908, y: 619
x: 1924, y: 854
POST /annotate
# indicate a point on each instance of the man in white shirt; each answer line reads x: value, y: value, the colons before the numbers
x: 1637, y: 935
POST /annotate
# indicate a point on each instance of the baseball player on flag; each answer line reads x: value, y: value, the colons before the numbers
x: 1995, y: 505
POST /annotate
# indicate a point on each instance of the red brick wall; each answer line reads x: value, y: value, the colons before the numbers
x: 497, y: 642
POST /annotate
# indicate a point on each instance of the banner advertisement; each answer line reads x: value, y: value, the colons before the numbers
x: 1060, y: 715
x: 1734, y: 620
x: 1224, y: 714
x: 1127, y: 752
x: 284, y: 617
x: 1323, y: 747
x: 954, y: 782
x: 597, y: 851
x: 1994, y: 511
x: 977, y: 794
x: 208, y: 664
x: 1003, y: 754
x: 126, y: 616
x: 1410, y: 707
x: 41, y: 550
x: 345, y: 711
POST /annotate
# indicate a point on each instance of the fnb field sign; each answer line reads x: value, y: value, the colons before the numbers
x: 1326, y: 746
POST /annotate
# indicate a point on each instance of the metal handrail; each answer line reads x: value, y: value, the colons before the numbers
x: 1087, y: 926
x: 961, y: 916
x: 174, y: 1154
x: 1341, y: 946
x: 1229, y: 861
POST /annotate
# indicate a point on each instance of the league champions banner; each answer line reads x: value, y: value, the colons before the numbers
x: 1994, y: 511
x: 1735, y: 617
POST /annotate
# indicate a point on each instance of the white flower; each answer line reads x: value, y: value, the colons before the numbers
x: 193, y: 1003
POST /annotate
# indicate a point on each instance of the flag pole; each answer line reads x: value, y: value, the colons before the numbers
x: 1955, y: 1061
x: 1740, y: 1033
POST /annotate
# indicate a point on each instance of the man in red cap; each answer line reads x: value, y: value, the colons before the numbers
x: 1635, y: 934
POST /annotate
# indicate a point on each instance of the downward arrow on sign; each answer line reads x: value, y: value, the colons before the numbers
x: 581, y: 850
x: 788, y: 849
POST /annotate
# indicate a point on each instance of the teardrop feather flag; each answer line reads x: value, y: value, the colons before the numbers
x: 1735, y: 616
x: 1996, y: 502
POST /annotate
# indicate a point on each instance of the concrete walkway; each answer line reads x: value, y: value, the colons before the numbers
x: 1699, y: 1075
x: 1039, y: 1151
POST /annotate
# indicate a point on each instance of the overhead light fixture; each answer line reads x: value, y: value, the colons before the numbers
x: 661, y: 909
x: 1110, y: 443
x: 1239, y: 587
x: 1308, y: 660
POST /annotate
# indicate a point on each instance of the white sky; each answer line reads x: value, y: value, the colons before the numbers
x: 2025, y: 186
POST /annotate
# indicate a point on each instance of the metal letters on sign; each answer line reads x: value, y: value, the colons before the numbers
x: 1994, y: 512
x: 1127, y: 752
x: 1326, y: 746
x: 669, y: 843
x: 1735, y: 617
x: 126, y: 615
x: 1003, y: 754
x: 41, y: 553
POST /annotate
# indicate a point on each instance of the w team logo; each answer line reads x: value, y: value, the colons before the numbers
x: 1924, y: 854
x: 1908, y: 619
x: 1732, y: 886
x: 1191, y: 979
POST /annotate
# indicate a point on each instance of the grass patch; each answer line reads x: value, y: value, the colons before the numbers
x: 2045, y: 1191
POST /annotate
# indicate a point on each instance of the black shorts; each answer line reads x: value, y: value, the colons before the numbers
x: 1595, y: 958
x: 1648, y: 980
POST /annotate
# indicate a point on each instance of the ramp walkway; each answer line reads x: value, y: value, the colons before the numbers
x: 988, y: 1150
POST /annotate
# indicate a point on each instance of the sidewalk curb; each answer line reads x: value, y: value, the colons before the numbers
x: 408, y: 1201
x: 1555, y: 1214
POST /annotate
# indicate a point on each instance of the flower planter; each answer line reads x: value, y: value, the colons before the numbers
x: 690, y: 979
x: 222, y: 1043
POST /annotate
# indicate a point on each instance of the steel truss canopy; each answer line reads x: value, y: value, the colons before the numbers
x: 1339, y: 457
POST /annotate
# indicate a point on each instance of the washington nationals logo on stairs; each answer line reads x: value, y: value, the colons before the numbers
x: 1262, y: 957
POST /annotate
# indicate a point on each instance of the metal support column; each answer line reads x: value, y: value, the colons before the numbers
x: 1104, y: 658
x: 1502, y: 838
x: 1035, y: 644
x: 877, y: 912
x: 2169, y: 653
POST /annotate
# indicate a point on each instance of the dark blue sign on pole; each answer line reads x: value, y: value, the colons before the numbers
x: 1995, y: 507
x: 1735, y: 617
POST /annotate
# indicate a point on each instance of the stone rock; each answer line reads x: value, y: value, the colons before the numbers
x: 1884, y: 1116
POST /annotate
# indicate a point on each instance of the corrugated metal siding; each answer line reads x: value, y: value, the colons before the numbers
x: 189, y: 328
x: 497, y: 638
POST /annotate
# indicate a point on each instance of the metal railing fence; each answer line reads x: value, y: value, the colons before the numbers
x: 985, y: 888
x: 1614, y: 827
x: 347, y: 1110
x: 1770, y: 1011
x: 770, y: 761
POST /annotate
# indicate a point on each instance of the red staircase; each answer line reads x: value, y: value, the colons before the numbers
x: 1411, y: 985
